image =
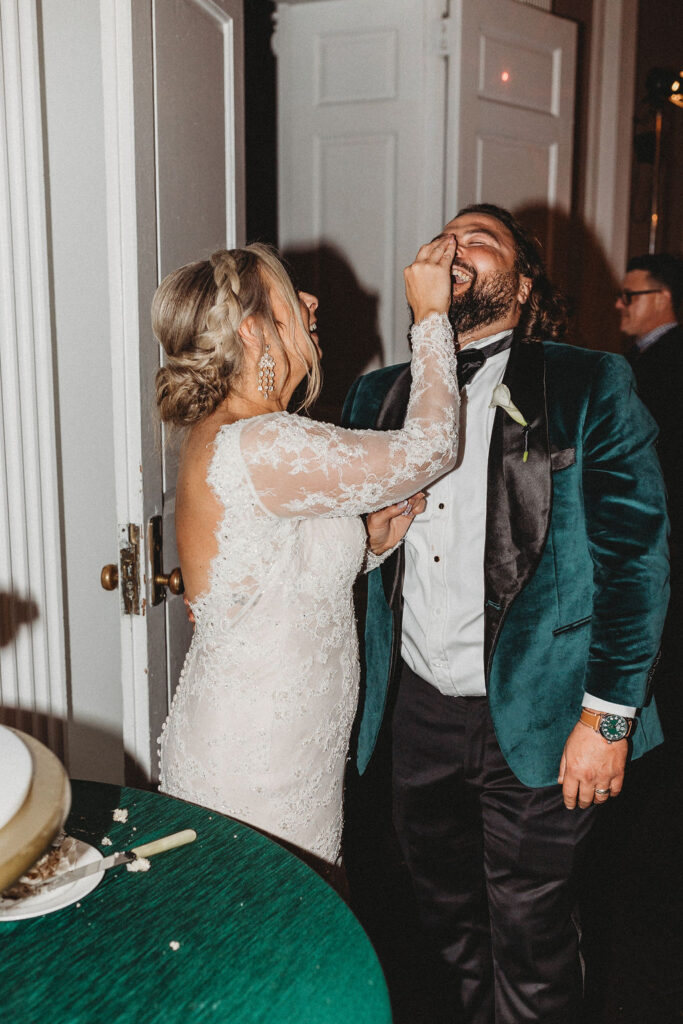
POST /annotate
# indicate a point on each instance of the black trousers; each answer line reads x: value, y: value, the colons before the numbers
x: 491, y: 860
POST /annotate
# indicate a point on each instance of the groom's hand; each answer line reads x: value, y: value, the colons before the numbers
x: 589, y: 763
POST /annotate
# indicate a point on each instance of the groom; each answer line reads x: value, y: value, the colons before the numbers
x: 519, y: 623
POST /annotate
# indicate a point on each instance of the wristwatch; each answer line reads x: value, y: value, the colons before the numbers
x: 610, y: 726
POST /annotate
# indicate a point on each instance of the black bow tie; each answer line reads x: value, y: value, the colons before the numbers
x: 472, y: 359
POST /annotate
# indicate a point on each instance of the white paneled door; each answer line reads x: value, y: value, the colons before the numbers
x: 361, y: 106
x: 510, y: 105
x: 142, y: 109
x: 395, y: 113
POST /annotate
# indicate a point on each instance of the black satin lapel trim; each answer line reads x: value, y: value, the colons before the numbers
x: 391, y: 416
x: 392, y: 412
x: 519, y: 496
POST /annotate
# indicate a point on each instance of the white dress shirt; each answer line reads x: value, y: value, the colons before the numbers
x: 443, y: 590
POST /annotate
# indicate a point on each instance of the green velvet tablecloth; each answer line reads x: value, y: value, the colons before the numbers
x: 261, y: 937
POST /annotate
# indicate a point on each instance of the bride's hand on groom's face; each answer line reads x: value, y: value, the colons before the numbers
x: 389, y: 525
x: 428, y: 278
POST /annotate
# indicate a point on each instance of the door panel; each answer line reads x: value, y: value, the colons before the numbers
x: 360, y: 157
x: 510, y: 121
x: 194, y: 75
x: 394, y: 114
x: 198, y: 74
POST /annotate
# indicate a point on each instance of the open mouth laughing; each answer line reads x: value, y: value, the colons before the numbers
x: 462, y: 275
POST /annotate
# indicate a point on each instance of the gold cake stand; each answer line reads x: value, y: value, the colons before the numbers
x: 28, y: 834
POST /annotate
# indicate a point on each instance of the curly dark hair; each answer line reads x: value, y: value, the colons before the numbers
x: 544, y: 315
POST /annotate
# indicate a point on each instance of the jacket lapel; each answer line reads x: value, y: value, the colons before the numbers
x: 519, y: 495
x: 391, y: 416
x: 392, y: 412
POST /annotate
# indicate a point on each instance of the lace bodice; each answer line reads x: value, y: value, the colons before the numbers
x: 260, y: 722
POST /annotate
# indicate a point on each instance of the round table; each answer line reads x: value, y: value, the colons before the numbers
x: 230, y: 928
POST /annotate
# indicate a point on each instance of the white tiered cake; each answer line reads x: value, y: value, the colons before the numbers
x: 16, y: 773
x: 35, y: 797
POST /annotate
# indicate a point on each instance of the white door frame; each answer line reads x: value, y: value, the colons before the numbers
x: 610, y: 127
x: 116, y: 21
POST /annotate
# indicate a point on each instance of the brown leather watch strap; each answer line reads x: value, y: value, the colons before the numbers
x: 593, y: 719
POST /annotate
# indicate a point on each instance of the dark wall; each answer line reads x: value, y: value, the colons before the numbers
x: 660, y: 44
x: 585, y: 275
x: 260, y: 113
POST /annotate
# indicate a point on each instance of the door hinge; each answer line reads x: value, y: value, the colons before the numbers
x: 129, y: 573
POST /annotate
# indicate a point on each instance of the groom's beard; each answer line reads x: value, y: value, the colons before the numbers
x: 487, y: 299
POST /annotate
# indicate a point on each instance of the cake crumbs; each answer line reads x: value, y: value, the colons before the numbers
x: 174, y: 945
x: 139, y: 864
x: 106, y: 841
x: 121, y: 814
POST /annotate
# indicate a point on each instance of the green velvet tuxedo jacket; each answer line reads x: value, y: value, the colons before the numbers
x: 576, y: 556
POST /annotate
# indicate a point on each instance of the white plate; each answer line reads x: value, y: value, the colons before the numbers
x: 56, y: 899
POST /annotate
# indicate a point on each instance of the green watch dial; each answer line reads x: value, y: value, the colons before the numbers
x: 614, y: 727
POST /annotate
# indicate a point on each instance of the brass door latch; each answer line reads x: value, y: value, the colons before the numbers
x: 159, y: 579
x: 127, y: 572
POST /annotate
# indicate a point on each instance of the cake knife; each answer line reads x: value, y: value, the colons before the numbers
x: 115, y: 859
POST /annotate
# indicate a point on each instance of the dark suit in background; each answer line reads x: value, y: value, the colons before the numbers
x: 659, y: 378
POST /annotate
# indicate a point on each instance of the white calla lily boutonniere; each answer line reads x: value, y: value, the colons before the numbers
x: 502, y: 398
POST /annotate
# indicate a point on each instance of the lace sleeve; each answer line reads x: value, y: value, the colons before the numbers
x: 372, y: 561
x: 302, y: 468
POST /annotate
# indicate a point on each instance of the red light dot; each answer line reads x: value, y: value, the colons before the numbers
x: 505, y: 77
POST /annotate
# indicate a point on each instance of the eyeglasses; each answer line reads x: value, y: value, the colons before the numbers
x: 626, y: 294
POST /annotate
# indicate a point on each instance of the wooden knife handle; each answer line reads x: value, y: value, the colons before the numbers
x: 165, y: 843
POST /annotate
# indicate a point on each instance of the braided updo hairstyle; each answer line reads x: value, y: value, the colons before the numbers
x: 196, y: 315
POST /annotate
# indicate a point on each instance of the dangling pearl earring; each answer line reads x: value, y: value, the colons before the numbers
x: 266, y: 375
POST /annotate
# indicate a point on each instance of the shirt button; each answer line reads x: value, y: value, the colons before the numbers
x: 441, y: 505
x: 436, y: 558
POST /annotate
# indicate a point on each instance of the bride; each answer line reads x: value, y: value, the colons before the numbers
x: 270, y: 537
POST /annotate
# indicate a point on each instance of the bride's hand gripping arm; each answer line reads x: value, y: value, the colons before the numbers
x: 388, y: 526
x: 302, y: 468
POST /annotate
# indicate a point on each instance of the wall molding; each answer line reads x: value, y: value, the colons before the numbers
x: 610, y: 127
x: 33, y: 675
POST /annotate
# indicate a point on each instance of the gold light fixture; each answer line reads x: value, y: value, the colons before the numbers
x: 676, y: 95
x: 662, y: 85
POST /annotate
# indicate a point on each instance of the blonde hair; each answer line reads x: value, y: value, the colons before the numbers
x: 196, y: 315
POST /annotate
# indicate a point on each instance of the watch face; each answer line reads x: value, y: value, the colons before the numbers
x: 614, y: 727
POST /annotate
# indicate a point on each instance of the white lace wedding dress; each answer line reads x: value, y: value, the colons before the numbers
x: 260, y: 722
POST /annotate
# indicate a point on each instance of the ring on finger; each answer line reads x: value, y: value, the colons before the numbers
x: 602, y: 792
